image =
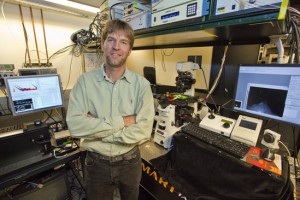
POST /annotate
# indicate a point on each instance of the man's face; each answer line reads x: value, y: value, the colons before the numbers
x: 116, y: 49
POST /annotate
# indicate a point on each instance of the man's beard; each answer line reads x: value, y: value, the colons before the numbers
x: 115, y: 63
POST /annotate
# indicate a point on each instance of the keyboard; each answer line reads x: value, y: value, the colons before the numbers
x: 11, y: 130
x: 232, y: 147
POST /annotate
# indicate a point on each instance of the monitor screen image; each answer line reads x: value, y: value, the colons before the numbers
x: 28, y: 94
x: 269, y: 91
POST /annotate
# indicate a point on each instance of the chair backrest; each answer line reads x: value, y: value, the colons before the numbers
x: 149, y: 74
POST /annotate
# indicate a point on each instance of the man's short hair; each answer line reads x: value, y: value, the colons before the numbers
x: 117, y: 25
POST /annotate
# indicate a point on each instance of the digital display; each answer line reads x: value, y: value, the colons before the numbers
x: 174, y: 14
x: 269, y: 91
x: 248, y: 125
x: 28, y: 94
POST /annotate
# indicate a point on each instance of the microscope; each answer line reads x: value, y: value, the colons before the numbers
x: 174, y: 110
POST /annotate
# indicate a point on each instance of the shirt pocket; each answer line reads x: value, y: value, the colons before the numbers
x: 127, y: 105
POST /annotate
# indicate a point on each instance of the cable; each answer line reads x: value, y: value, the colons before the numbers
x: 83, y: 38
x: 69, y: 77
x: 227, y: 102
x: 157, y: 3
x: 204, y: 104
x: 214, y: 103
x: 163, y: 61
x: 62, y: 50
x: 7, y: 24
x: 295, y: 143
x: 296, y: 35
x: 163, y: 54
x: 120, y: 3
x: 153, y: 53
x: 219, y: 74
x: 49, y: 116
x: 204, y: 79
x: 59, y: 114
x: 57, y: 150
x: 7, y: 101
x: 217, y: 82
x: 293, y: 37
x: 289, y: 154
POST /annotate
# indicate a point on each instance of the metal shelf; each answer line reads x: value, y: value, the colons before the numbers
x: 248, y: 29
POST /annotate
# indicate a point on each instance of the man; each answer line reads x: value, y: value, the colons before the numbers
x: 111, y: 109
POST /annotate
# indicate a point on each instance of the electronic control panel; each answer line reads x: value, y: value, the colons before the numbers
x: 218, y: 124
x: 246, y: 130
x: 4, y: 74
x: 180, y: 12
x: 224, y: 8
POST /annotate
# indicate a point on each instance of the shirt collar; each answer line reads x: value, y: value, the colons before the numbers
x: 126, y: 76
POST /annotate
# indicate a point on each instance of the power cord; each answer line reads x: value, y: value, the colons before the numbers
x: 289, y: 153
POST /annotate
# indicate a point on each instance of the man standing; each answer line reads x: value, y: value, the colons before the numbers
x: 111, y: 109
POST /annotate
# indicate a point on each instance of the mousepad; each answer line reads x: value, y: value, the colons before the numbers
x: 254, y: 157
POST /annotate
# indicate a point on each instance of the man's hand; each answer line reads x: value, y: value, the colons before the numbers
x: 129, y: 120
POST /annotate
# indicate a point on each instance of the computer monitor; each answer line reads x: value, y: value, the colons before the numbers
x: 270, y: 91
x: 28, y: 94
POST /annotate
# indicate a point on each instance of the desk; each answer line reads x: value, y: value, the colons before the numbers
x: 152, y: 182
x: 200, y: 173
x: 34, y: 169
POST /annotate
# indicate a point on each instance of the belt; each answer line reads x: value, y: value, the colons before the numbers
x: 126, y: 156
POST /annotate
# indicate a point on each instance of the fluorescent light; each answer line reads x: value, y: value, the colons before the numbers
x: 75, y: 5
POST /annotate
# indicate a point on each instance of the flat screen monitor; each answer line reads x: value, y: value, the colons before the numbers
x: 28, y: 94
x: 270, y: 91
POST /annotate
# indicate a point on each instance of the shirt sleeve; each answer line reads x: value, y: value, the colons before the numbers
x: 82, y: 126
x: 141, y: 130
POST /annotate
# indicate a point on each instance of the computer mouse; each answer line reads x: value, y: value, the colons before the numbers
x: 268, y: 155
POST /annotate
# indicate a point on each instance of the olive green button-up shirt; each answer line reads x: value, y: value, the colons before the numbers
x: 105, y: 133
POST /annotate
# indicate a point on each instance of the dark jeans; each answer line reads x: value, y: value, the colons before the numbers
x: 103, y: 176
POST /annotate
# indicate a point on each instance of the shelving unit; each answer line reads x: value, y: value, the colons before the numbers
x: 253, y: 28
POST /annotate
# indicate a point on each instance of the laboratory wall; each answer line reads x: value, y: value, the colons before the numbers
x: 58, y: 29
x: 70, y: 62
x: 164, y: 61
